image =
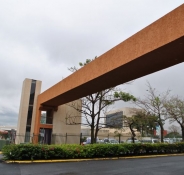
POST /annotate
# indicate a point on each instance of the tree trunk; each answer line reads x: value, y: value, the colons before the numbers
x: 162, y: 133
x: 92, y: 131
x: 92, y: 134
x: 182, y: 129
x: 133, y: 134
x: 96, y: 134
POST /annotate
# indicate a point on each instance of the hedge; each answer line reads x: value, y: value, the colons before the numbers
x: 40, y: 152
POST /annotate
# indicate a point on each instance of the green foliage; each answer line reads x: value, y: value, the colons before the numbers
x: 145, y: 123
x: 124, y: 96
x: 83, y: 139
x: 85, y: 63
x: 41, y: 152
x: 173, y: 135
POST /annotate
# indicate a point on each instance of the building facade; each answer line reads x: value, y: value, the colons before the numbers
x: 114, y: 118
x: 52, y: 125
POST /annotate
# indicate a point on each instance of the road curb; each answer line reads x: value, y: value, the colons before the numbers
x: 81, y: 160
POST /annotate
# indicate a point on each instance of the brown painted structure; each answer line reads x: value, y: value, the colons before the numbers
x: 156, y: 47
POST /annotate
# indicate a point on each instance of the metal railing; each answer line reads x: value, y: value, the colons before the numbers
x: 66, y: 138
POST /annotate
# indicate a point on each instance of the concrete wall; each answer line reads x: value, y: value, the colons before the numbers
x: 110, y: 133
x: 127, y: 111
x: 23, y: 109
x: 61, y: 127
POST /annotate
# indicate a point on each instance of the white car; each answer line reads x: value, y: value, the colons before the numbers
x: 150, y: 141
x: 88, y: 141
x: 131, y: 141
x: 168, y: 140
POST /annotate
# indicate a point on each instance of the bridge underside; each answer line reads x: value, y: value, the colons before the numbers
x: 161, y: 58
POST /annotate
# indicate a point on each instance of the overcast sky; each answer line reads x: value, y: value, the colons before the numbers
x: 42, y: 39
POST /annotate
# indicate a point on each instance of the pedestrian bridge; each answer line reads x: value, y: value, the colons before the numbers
x: 156, y: 47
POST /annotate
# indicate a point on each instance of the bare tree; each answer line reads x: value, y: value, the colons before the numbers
x: 175, y: 112
x: 174, y: 129
x: 93, y: 106
x: 153, y: 104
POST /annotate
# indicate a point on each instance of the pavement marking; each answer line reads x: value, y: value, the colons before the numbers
x: 80, y: 160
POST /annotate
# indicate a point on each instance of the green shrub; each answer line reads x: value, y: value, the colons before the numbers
x: 38, y: 152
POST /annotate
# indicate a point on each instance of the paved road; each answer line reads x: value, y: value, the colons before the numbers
x: 146, y: 166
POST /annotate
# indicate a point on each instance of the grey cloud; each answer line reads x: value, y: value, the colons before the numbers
x: 8, y: 119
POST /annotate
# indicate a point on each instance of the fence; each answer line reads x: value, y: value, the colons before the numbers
x: 3, y: 143
x: 67, y: 138
x: 120, y: 138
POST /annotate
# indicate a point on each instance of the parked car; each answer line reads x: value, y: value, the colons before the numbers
x: 168, y: 140
x: 174, y: 140
x: 100, y: 141
x: 111, y: 141
x: 150, y: 141
x: 131, y: 141
x: 88, y: 141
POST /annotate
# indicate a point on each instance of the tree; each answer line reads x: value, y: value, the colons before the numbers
x: 94, y: 105
x: 173, y: 132
x: 140, y: 121
x: 130, y: 122
x: 119, y: 132
x: 173, y: 135
x: 153, y: 104
x: 145, y: 123
x: 174, y: 129
x: 175, y: 112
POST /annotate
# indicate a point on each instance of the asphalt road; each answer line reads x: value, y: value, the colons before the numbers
x: 145, y: 166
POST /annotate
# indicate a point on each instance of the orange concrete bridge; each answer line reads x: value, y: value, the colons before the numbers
x: 156, y: 47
